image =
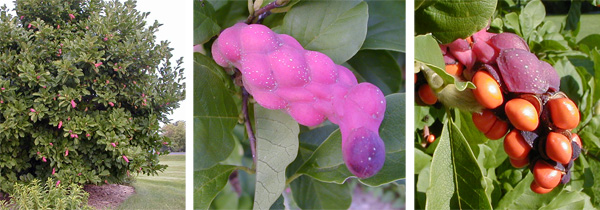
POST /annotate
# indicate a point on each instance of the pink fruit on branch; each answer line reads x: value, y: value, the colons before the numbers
x: 310, y: 87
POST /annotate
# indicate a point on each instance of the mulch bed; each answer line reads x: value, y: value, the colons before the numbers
x: 108, y: 196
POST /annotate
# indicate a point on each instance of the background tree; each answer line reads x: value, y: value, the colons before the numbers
x: 176, y: 133
x: 84, y: 84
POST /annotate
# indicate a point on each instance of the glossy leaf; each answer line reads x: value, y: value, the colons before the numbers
x: 335, y: 28
x: 208, y: 183
x: 312, y: 194
x: 386, y: 26
x: 276, y: 147
x: 531, y: 16
x: 215, y: 114
x: 379, y: 68
x: 449, y: 20
x: 455, y: 181
x: 205, y: 24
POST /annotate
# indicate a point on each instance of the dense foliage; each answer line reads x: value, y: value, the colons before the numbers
x: 84, y: 84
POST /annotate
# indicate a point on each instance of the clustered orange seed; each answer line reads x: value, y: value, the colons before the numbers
x: 520, y: 96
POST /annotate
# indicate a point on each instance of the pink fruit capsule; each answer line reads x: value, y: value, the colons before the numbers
x: 57, y: 183
x: 111, y: 104
x: 32, y: 110
x: 44, y: 159
x: 125, y: 158
x: 71, y: 16
x: 113, y: 144
x: 51, y: 144
x: 66, y: 152
x: 2, y: 88
x: 79, y: 174
x: 60, y: 124
x: 73, y: 104
x: 53, y: 171
x: 87, y: 135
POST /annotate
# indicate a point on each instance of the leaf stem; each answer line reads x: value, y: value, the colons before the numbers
x: 292, y: 178
x: 246, y: 169
x: 251, y: 137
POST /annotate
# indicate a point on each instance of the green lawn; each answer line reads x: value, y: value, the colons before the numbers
x: 589, y: 24
x: 165, y: 191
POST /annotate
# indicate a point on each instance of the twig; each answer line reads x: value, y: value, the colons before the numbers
x: 265, y: 11
x: 251, y: 137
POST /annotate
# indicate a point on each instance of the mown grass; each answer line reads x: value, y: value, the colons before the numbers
x: 165, y: 191
x: 589, y: 24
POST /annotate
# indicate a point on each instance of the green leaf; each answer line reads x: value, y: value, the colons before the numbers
x: 455, y: 180
x: 215, y: 115
x: 208, y: 183
x: 464, y: 121
x: 449, y: 20
x: 592, y: 41
x: 231, y: 13
x: 379, y: 68
x: 573, y: 18
x: 312, y: 194
x: 531, y: 16
x: 276, y: 147
x: 521, y: 197
x: 278, y: 204
x: 386, y: 26
x: 422, y: 160
x: 335, y: 28
x: 205, y: 24
x: 326, y: 163
x: 570, y: 81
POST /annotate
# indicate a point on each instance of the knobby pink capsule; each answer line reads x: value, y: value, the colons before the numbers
x: 32, y: 110
x: 125, y: 158
x: 53, y: 171
x: 73, y: 104
x: 59, y: 124
x: 113, y: 144
x: 71, y: 16
x: 44, y: 159
x: 111, y: 104
x: 57, y: 183
x: 87, y: 135
x: 51, y: 144
x: 66, y: 152
x: 98, y: 64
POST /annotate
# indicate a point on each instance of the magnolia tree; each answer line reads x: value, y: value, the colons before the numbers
x: 83, y: 86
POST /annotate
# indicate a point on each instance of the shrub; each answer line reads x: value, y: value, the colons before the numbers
x: 51, y: 195
x: 84, y: 84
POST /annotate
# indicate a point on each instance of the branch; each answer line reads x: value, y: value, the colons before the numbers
x: 251, y: 137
